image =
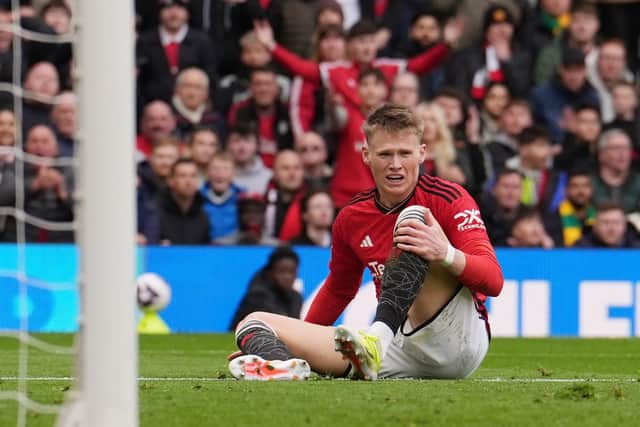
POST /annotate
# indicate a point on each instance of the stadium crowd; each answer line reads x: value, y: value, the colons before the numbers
x: 250, y: 114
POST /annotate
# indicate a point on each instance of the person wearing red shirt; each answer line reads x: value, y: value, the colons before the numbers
x: 341, y: 76
x: 425, y: 242
x: 351, y: 175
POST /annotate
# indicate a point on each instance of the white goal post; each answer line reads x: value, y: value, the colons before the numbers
x: 106, y: 393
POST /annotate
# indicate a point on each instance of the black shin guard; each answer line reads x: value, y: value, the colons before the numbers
x: 255, y: 337
x: 401, y: 282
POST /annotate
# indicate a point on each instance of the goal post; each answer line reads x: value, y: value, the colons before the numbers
x: 106, y: 393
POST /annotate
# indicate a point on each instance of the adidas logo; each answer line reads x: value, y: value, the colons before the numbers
x: 366, y: 242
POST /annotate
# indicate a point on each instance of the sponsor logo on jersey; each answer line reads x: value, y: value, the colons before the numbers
x: 469, y: 219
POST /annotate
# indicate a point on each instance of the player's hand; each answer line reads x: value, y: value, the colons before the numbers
x: 264, y: 33
x: 427, y: 240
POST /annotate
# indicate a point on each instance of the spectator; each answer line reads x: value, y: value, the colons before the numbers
x: 7, y: 128
x: 619, y: 19
x: 272, y: 288
x: 148, y: 217
x: 625, y: 107
x: 312, y: 149
x: 553, y: 99
x: 496, y: 58
x: 425, y: 33
x: 63, y: 117
x: 265, y: 111
x: 464, y: 124
x: 44, y: 84
x: 283, y: 215
x: 502, y: 205
x: 361, y: 44
x: 154, y: 173
x: 191, y: 104
x: 391, y: 19
x: 203, y: 144
x: 251, y: 220
x: 609, y: 229
x: 609, y: 69
x: 7, y: 164
x: 528, y: 231
x: 615, y: 180
x: 581, y: 34
x: 235, y: 88
x: 251, y: 173
x: 329, y: 13
x: 351, y: 174
x: 317, y: 217
x: 542, y: 187
x: 48, y: 190
x: 579, y: 145
x: 440, y: 153
x: 182, y: 218
x: 157, y: 123
x: 221, y: 196
x: 552, y: 18
x: 493, y: 105
x: 309, y: 104
x: 405, y: 90
x: 163, y: 52
x: 576, y: 213
x: 515, y: 117
x: 57, y: 15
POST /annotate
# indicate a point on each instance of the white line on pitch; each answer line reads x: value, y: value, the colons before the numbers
x: 480, y: 380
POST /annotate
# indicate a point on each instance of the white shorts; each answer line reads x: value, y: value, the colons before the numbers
x: 450, y: 346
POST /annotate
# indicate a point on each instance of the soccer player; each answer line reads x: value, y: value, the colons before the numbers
x: 425, y: 243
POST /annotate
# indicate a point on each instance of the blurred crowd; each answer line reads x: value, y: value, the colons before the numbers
x: 249, y: 115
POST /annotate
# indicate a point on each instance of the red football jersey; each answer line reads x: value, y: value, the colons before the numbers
x: 363, y: 238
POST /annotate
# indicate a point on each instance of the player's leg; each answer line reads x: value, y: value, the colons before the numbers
x: 452, y: 344
x: 404, y: 274
x: 292, y: 342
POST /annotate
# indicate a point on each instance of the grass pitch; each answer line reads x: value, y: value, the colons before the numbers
x: 184, y: 382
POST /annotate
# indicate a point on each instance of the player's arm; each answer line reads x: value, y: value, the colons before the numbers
x: 308, y: 70
x: 343, y: 282
x: 464, y: 249
x: 474, y: 261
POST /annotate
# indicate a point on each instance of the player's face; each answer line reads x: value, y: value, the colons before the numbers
x: 394, y: 159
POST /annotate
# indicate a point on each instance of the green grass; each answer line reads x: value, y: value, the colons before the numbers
x: 610, y: 397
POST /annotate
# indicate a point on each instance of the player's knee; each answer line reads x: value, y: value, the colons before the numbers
x: 255, y: 317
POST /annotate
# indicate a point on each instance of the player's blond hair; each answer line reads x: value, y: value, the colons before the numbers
x: 392, y: 118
